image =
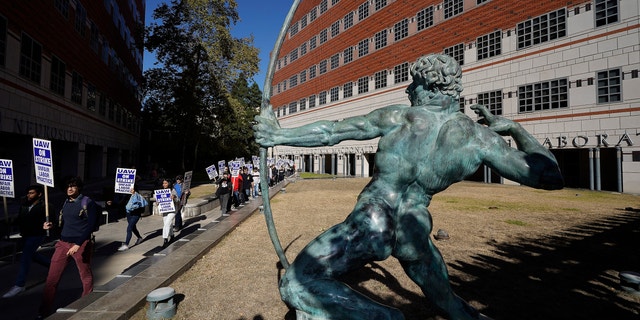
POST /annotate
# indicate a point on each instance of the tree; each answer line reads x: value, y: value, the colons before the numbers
x: 188, y: 97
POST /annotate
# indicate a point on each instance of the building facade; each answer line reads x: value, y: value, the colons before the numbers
x: 71, y: 73
x: 566, y: 70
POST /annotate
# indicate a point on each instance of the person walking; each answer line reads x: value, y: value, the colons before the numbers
x: 134, y: 209
x: 256, y: 182
x: 30, y: 220
x: 77, y: 220
x: 223, y: 192
x: 168, y: 217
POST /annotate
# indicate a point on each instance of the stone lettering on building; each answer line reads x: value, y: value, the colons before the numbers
x: 581, y: 141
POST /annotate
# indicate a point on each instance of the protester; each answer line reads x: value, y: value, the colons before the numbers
x: 168, y: 217
x: 182, y: 196
x: 77, y: 220
x: 134, y: 208
x: 256, y: 182
x: 247, y: 182
x: 30, y: 220
x: 223, y: 192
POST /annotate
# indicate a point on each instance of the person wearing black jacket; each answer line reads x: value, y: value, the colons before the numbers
x: 223, y: 192
x: 30, y: 219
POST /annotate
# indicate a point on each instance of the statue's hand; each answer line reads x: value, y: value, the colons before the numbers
x: 266, y: 127
x: 497, y: 124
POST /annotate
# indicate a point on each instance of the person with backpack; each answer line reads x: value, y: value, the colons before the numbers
x: 134, y: 208
x: 78, y: 219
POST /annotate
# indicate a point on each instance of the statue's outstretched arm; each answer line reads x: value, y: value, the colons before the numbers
x: 532, y: 164
x: 320, y: 133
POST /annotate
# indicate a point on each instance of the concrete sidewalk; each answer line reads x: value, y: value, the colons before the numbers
x: 122, y: 280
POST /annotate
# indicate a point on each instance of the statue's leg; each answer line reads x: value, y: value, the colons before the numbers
x: 310, y: 284
x: 430, y: 273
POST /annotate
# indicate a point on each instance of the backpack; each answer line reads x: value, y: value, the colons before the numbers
x: 83, y: 213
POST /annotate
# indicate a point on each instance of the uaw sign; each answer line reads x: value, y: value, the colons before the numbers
x: 43, y: 161
x: 125, y: 179
x: 6, y: 179
x: 164, y: 201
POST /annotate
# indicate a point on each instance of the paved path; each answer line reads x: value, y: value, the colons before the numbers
x: 123, y: 279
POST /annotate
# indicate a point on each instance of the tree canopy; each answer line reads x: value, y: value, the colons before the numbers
x: 198, y: 103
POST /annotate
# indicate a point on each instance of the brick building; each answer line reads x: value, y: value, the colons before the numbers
x: 566, y: 70
x: 71, y: 72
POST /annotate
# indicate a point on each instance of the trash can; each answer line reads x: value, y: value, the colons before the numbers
x: 161, y: 303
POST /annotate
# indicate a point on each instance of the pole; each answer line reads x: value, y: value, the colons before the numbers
x: 6, y: 215
x: 46, y: 206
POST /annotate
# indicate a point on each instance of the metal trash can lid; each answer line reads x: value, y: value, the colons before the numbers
x: 160, y: 294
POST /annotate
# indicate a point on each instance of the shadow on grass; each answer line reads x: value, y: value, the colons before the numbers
x: 570, y: 275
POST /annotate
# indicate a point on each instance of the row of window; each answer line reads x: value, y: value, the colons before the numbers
x: 30, y: 68
x: 543, y: 95
x: 544, y: 28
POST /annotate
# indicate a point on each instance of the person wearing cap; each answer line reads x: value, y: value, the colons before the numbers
x: 30, y: 219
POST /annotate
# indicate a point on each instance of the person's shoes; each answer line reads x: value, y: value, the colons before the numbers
x: 225, y: 214
x: 242, y: 205
x: 13, y: 292
x: 123, y: 247
x: 234, y: 209
x: 139, y: 241
x: 165, y: 243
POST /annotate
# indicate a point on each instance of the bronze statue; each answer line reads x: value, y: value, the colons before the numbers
x: 423, y: 149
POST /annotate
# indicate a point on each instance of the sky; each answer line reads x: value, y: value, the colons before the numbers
x: 260, y: 18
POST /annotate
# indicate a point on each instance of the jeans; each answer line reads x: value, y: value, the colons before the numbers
x: 224, y: 199
x: 29, y: 254
x: 59, y: 262
x: 131, y: 227
x: 256, y: 188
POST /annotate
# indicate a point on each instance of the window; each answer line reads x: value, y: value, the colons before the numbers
x: 401, y: 30
x: 303, y: 21
x: 30, y: 59
x: 347, y: 90
x: 323, y: 6
x: 63, y: 7
x: 303, y: 49
x: 294, y: 55
x: 347, y: 21
x: 380, y: 79
x: 609, y: 86
x: 452, y: 8
x: 461, y: 104
x: 335, y: 61
x: 323, y: 36
x: 3, y: 41
x: 313, y: 42
x: 313, y: 14
x: 380, y: 4
x: 303, y: 104
x: 401, y: 73
x: 347, y: 55
x: 381, y: 39
x: 363, y: 48
x: 293, y: 29
x: 58, y: 73
x: 103, y: 104
x: 492, y: 100
x: 425, y: 18
x: 456, y: 52
x: 293, y: 81
x: 541, y: 29
x: 335, y: 28
x: 334, y: 2
x: 489, y: 45
x: 81, y: 19
x: 363, y: 85
x: 322, y: 98
x: 312, y: 72
x: 95, y: 34
x: 334, y: 94
x: 303, y: 76
x: 312, y: 101
x: 91, y: 97
x: 278, y: 112
x: 293, y: 107
x: 363, y: 11
x: 481, y: 1
x: 543, y: 95
x: 322, y: 67
x: 76, y: 88
x: 606, y: 12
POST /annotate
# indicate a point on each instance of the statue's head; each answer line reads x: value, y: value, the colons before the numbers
x: 437, y: 74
